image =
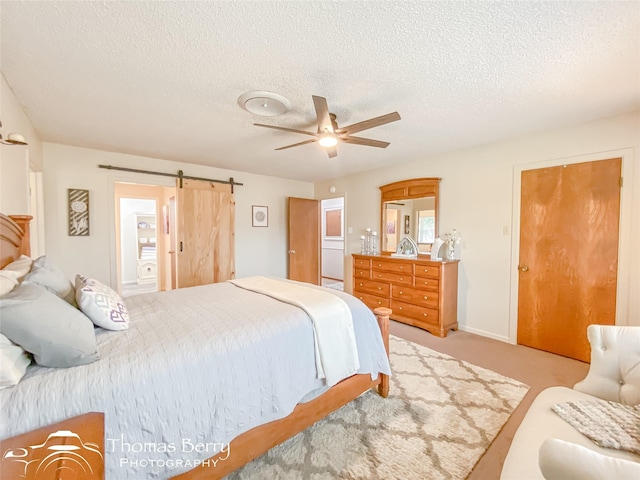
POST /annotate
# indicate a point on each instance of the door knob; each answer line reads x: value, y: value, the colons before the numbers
x: 523, y: 268
x: 291, y: 252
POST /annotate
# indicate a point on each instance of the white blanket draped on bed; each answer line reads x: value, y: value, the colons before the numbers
x: 335, y: 342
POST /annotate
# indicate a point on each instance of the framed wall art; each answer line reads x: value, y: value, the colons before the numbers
x: 259, y: 216
x: 333, y: 223
x: 78, y: 201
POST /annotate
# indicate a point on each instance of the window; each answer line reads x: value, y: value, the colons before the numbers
x: 426, y: 226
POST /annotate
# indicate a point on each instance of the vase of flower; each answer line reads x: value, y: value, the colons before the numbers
x: 452, y: 239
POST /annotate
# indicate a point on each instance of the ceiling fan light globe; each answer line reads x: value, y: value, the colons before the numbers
x: 328, y: 141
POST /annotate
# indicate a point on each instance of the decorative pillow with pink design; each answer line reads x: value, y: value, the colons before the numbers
x: 101, y: 304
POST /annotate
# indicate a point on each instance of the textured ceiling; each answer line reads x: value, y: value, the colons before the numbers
x: 162, y: 79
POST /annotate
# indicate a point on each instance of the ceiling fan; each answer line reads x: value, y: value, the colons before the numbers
x: 329, y: 134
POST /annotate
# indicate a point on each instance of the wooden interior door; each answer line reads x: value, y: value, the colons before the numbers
x: 391, y: 229
x: 205, y: 233
x: 304, y: 240
x: 568, y: 262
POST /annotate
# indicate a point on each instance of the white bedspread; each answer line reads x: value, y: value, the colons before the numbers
x: 335, y: 343
x: 196, y: 368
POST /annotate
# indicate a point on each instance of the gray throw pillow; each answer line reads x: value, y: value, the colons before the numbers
x: 57, y: 334
x: 50, y: 277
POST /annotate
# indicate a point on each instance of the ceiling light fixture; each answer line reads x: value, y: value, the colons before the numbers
x: 265, y: 104
x: 328, y: 140
x: 13, y: 138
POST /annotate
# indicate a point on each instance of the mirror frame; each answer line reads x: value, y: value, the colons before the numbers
x: 407, y: 190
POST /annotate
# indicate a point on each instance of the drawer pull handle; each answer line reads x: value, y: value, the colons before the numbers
x: 379, y: 275
x: 360, y: 284
x: 426, y: 270
x: 426, y: 298
x: 401, y: 267
x: 379, y: 264
x: 379, y: 303
x: 400, y: 308
x: 401, y: 278
x: 401, y: 292
x: 424, y: 314
x: 379, y: 288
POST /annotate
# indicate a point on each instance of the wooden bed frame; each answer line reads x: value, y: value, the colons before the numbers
x: 250, y: 445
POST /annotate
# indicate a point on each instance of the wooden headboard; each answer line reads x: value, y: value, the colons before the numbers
x: 15, y: 239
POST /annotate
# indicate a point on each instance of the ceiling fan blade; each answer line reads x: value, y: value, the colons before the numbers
x: 322, y: 112
x: 332, y: 151
x: 298, y: 144
x: 365, y: 141
x: 371, y: 123
x: 286, y: 129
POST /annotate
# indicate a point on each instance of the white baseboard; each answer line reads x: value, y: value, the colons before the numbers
x: 483, y: 333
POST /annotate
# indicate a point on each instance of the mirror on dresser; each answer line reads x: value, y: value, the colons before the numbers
x: 409, y: 208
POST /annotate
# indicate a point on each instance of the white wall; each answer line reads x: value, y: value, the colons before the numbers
x: 15, y: 160
x: 476, y: 198
x: 259, y: 251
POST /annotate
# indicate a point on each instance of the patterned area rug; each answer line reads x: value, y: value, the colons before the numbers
x: 440, y: 417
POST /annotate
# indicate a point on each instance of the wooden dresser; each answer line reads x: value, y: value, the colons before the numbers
x: 422, y: 293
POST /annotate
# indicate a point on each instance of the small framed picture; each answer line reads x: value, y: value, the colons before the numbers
x: 259, y: 216
x: 333, y: 223
x: 78, y: 201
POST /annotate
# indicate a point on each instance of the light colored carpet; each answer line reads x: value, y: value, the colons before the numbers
x: 440, y: 417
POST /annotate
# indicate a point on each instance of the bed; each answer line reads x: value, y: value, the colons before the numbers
x: 204, y: 380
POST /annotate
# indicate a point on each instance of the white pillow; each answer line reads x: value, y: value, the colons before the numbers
x: 51, y: 278
x: 7, y: 282
x: 560, y: 460
x: 13, y: 362
x: 101, y: 304
x: 12, y: 274
x: 54, y: 332
x: 20, y: 267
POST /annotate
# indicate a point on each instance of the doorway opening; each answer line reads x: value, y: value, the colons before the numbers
x: 142, y: 237
x: 332, y: 243
x: 138, y: 245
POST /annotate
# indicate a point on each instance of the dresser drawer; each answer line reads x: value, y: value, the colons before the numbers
x: 398, y: 267
x: 372, y: 301
x: 426, y: 315
x: 369, y: 286
x: 362, y: 262
x: 428, y: 283
x: 361, y: 272
x: 428, y: 271
x: 413, y: 295
x: 401, y: 278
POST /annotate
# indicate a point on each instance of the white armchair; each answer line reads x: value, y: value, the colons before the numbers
x: 547, y: 447
x: 614, y: 373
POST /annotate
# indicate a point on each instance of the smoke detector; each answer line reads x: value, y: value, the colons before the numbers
x: 265, y: 104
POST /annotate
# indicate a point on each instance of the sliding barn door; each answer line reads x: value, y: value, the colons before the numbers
x: 205, y: 233
x: 568, y: 254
